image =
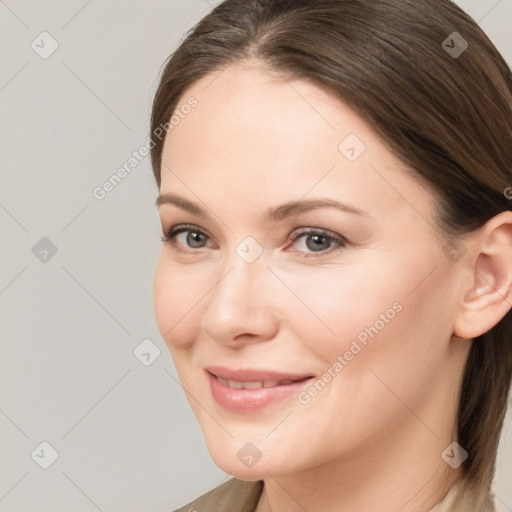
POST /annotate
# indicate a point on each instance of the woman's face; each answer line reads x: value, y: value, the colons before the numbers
x: 255, y: 296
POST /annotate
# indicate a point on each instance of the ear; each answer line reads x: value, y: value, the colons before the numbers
x: 489, y: 298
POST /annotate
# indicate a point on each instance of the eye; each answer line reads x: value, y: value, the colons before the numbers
x: 194, y: 238
x: 318, y: 241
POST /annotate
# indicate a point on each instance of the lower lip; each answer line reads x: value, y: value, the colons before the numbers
x: 251, y: 400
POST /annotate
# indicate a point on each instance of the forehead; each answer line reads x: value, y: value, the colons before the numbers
x: 258, y: 135
x: 279, y: 110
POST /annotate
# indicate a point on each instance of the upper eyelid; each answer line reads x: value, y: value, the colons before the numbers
x: 305, y: 230
x: 300, y: 230
x: 186, y: 227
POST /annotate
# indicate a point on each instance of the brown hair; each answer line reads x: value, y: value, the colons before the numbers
x: 447, y: 116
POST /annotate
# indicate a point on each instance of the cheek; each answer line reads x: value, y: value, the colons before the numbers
x: 340, y: 305
x: 163, y: 298
x: 386, y: 338
x: 175, y: 294
x: 375, y: 314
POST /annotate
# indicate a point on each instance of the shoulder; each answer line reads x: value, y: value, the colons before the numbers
x: 467, y: 497
x: 232, y: 496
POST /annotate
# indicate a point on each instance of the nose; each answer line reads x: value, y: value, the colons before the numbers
x: 239, y: 308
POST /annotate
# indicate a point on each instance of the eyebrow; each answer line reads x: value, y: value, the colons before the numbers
x: 273, y: 214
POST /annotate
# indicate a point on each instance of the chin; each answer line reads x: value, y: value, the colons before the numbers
x: 243, y: 461
x: 235, y: 468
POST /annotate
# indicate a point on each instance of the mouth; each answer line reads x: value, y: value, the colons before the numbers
x: 257, y: 384
x: 248, y: 391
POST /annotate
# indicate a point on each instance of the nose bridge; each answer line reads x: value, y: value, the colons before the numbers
x: 239, y: 285
x: 240, y: 300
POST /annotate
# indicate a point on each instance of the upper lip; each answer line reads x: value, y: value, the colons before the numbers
x: 253, y: 374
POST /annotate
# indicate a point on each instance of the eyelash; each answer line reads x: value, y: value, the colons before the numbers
x: 176, y: 230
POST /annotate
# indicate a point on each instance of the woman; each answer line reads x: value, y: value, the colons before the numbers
x: 335, y: 282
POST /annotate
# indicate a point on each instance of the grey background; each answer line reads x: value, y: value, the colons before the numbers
x: 125, y: 435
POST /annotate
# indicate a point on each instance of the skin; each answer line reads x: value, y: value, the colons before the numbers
x: 372, y: 438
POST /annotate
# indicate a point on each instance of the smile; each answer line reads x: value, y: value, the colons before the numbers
x: 248, y: 396
x: 233, y: 384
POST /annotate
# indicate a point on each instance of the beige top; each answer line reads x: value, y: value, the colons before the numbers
x: 241, y: 496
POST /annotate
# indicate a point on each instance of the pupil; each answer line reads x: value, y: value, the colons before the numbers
x: 194, y: 238
x: 316, y: 245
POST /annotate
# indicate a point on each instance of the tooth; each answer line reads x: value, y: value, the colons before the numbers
x: 289, y: 381
x: 252, y: 385
x: 223, y: 381
x: 270, y: 383
x: 235, y: 385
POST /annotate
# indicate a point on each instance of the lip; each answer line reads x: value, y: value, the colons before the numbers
x: 246, y: 401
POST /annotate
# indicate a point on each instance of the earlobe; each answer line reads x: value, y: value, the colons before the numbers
x: 489, y: 298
